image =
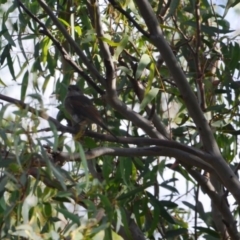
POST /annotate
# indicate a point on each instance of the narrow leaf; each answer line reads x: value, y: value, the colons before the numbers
x: 149, y: 97
x: 120, y: 47
x: 143, y: 63
x: 24, y: 85
x: 75, y: 218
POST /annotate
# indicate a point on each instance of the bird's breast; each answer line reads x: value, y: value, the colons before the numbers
x: 78, y: 119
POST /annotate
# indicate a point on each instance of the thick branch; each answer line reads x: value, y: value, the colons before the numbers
x: 184, y: 157
x: 115, y: 102
x: 223, y: 170
x: 219, y: 202
x: 130, y: 140
x: 113, y: 99
x: 178, y: 76
x: 155, y: 118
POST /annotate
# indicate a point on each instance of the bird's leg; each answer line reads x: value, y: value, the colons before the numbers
x: 79, y: 135
x: 81, y: 127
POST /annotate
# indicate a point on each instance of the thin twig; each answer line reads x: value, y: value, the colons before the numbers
x: 61, y: 49
x: 125, y: 140
x: 199, y: 74
x: 129, y: 17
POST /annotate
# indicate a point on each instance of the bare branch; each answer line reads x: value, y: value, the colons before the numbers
x: 61, y: 49
x: 130, y: 140
x: 219, y: 202
x: 189, y: 98
x: 182, y: 156
x: 113, y: 100
x: 224, y: 171
x: 199, y: 75
x: 93, y: 71
x: 129, y: 17
x: 104, y: 48
x: 40, y: 113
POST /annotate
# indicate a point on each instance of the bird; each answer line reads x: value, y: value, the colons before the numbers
x: 82, y: 110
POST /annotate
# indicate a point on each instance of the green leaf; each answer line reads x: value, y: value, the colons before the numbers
x: 36, y: 96
x: 24, y: 85
x: 122, y: 45
x: 143, y: 63
x: 23, y: 66
x: 135, y: 191
x: 64, y: 22
x: 78, y: 30
x: 5, y: 53
x: 170, y: 188
x: 126, y: 169
x: 149, y: 97
x: 151, y: 76
x: 154, y: 221
x: 162, y: 211
x: 20, y: 43
x: 217, y: 108
x: 6, y: 34
x: 212, y: 31
x: 84, y: 162
x: 2, y: 83
x: 3, y: 183
x: 209, y: 231
x: 189, y: 205
x: 74, y: 217
x: 169, y: 204
x: 54, y: 144
x: 45, y: 83
x: 176, y: 232
x: 51, y: 64
x: 108, y: 207
x: 100, y: 228
x: 47, y: 209
x: 230, y: 4
x: 109, y: 42
x: 172, y: 8
x: 125, y: 222
x: 10, y: 66
x: 235, y: 56
x: 46, y: 43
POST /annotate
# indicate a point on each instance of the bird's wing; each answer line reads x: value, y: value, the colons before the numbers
x: 84, y: 108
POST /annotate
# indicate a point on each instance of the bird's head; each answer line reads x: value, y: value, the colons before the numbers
x: 74, y: 90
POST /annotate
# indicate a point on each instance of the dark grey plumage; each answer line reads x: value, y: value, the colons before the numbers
x: 82, y: 109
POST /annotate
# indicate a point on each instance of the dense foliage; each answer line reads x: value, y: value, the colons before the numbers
x: 164, y: 77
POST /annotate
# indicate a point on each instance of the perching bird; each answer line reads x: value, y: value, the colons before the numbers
x: 82, y: 110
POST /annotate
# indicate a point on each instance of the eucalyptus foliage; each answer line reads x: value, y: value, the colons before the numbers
x: 164, y: 76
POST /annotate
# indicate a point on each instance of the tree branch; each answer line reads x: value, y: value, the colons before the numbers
x: 223, y: 170
x: 186, y: 158
x: 130, y: 140
x: 62, y: 50
x: 189, y: 98
x: 129, y: 17
x: 219, y: 202
x: 113, y: 99
x: 93, y: 71
x: 40, y: 113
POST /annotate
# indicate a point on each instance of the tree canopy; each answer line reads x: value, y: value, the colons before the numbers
x: 163, y: 75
